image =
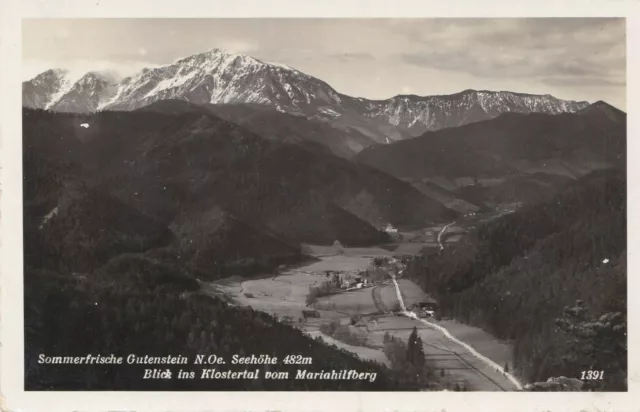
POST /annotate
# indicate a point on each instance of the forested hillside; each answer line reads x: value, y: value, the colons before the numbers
x: 270, y: 124
x: 94, y: 286
x: 170, y: 165
x: 513, y: 158
x: 510, y: 143
x: 516, y: 275
x: 103, y: 278
x: 113, y: 261
x: 138, y: 305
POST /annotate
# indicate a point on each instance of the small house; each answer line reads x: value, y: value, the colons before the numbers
x: 390, y: 229
x: 426, y: 308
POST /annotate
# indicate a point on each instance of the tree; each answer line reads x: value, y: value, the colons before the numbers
x: 597, y: 341
x: 415, y: 351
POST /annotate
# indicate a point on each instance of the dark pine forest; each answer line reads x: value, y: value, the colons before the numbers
x: 550, y: 277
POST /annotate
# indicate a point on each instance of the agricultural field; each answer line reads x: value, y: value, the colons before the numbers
x: 353, y: 302
x: 365, y: 315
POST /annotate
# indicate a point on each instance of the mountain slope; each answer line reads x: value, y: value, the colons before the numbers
x: 86, y: 95
x: 274, y: 125
x: 103, y: 276
x: 222, y: 77
x: 167, y: 165
x: 145, y: 304
x: 513, y: 276
x: 420, y: 114
x: 526, y: 188
x: 77, y: 228
x: 507, y: 147
x: 285, y: 127
x: 88, y: 227
x: 502, y: 145
x: 218, y: 76
x: 40, y: 91
x: 62, y: 90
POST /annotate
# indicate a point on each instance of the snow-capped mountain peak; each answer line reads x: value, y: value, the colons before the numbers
x: 66, y: 90
x: 221, y: 76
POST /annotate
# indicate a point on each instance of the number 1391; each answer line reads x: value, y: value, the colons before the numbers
x: 591, y: 375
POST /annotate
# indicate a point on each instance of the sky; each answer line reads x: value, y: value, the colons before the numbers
x: 570, y: 58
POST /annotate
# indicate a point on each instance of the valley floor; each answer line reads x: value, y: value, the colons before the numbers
x: 284, y: 296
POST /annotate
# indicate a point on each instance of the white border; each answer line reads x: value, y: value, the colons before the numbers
x: 11, y: 313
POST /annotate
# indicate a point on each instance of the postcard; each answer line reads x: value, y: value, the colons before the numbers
x: 390, y: 210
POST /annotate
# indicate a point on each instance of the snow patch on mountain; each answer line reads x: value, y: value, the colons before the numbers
x: 171, y: 82
x: 328, y: 111
x: 219, y: 76
x: 68, y: 79
x: 282, y: 66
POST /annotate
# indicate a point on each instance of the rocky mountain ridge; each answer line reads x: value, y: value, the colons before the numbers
x: 222, y: 77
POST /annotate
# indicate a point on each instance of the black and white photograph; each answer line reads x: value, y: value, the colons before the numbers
x: 324, y: 204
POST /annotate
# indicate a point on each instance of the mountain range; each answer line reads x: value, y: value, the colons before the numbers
x: 465, y: 151
x: 514, y: 157
x: 221, y: 77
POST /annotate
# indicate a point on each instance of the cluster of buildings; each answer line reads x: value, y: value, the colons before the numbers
x: 358, y: 282
x: 346, y: 280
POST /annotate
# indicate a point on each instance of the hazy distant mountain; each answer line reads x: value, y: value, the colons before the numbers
x: 488, y: 155
x: 419, y: 114
x: 61, y: 90
x: 221, y: 77
x: 41, y: 90
x: 86, y: 94
x: 600, y: 108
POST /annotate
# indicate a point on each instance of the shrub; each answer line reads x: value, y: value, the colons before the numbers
x: 324, y: 289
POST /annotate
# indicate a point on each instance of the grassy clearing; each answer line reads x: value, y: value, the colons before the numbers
x: 485, y: 343
x: 359, y: 301
x: 411, y: 293
x: 362, y: 352
x: 343, y: 333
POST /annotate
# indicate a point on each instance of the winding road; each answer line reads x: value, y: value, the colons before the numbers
x: 444, y: 229
x: 469, y: 349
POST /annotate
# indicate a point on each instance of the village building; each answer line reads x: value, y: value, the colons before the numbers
x: 426, y: 308
x: 390, y: 229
